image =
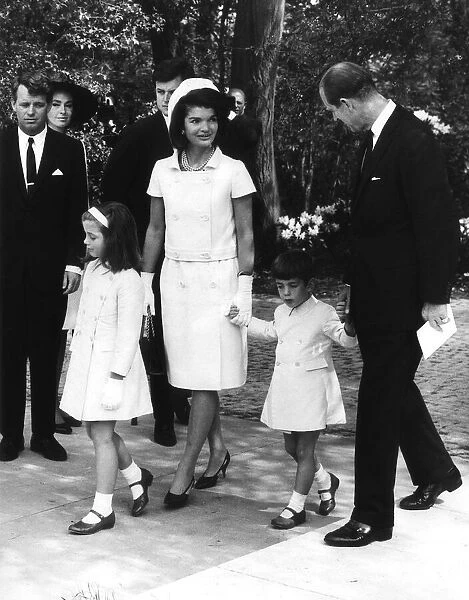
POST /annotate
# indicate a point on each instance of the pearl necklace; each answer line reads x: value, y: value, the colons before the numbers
x: 187, y: 167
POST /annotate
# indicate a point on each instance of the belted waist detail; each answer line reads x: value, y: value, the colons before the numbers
x: 201, y: 255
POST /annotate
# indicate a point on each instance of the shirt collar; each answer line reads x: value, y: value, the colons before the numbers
x: 304, y: 306
x: 382, y: 119
x: 39, y: 138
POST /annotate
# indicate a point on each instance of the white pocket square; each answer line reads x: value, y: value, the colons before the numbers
x: 57, y: 172
x: 375, y: 178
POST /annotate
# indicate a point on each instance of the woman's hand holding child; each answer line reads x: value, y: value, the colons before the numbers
x: 243, y: 302
x: 343, y: 311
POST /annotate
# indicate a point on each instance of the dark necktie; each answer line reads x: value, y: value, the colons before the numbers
x: 30, y: 166
x: 368, y: 150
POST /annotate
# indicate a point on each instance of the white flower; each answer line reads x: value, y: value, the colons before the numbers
x: 435, y: 123
x: 286, y: 234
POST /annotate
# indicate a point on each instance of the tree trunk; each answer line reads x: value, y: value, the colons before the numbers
x: 257, y: 35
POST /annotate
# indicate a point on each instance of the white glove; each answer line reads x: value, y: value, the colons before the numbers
x: 149, y: 299
x: 112, y: 394
x: 243, y: 300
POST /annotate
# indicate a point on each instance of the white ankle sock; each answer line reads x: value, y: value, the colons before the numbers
x: 296, y: 503
x: 132, y: 474
x: 323, y: 481
x: 102, y: 504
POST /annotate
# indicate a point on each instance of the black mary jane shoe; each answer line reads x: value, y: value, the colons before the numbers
x: 297, y: 518
x: 178, y: 500
x: 81, y: 528
x: 205, y: 481
x: 327, y: 506
x: 140, y: 502
x: 354, y: 534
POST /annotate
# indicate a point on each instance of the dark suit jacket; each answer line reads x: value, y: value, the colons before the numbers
x: 128, y: 170
x: 41, y: 234
x: 404, y: 228
x: 240, y: 140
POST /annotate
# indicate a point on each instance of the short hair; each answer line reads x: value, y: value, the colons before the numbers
x: 239, y: 90
x: 292, y: 264
x: 171, y: 68
x: 206, y: 98
x: 36, y: 82
x: 346, y: 80
x: 121, y: 250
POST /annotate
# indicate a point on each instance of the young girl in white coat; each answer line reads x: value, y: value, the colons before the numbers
x: 304, y: 394
x: 106, y: 380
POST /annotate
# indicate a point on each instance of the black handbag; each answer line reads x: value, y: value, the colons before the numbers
x: 151, y: 346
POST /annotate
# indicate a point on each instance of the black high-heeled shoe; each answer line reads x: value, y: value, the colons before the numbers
x: 205, y: 481
x: 178, y: 500
x: 140, y: 502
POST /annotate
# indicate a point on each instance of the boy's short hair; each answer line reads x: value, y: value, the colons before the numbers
x: 292, y: 264
x: 170, y: 68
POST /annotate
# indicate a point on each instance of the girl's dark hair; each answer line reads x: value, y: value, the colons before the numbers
x: 291, y: 264
x: 206, y: 98
x: 121, y: 249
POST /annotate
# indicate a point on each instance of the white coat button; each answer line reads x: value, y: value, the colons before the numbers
x: 206, y: 179
x: 204, y: 217
x: 280, y: 341
x: 297, y: 364
x: 176, y: 255
x: 175, y: 217
x: 277, y: 364
x: 205, y: 255
x: 182, y: 284
x: 213, y: 285
x: 299, y: 342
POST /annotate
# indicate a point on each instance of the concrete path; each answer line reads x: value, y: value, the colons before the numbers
x: 221, y: 544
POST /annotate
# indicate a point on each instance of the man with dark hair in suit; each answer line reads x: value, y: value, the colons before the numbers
x: 44, y: 194
x: 404, y: 253
x: 125, y: 179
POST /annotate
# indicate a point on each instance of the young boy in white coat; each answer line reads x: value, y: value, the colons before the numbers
x: 304, y: 394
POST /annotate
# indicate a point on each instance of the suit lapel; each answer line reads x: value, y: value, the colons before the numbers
x: 385, y: 138
x: 17, y: 168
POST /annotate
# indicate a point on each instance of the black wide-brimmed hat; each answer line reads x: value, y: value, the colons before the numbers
x: 85, y: 104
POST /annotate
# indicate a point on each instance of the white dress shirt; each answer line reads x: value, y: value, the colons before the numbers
x: 381, y: 121
x: 38, y: 148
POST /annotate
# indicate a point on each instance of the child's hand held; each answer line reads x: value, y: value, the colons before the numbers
x: 233, y: 312
x: 112, y: 394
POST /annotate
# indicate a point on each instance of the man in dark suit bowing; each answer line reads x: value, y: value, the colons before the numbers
x: 404, y: 252
x: 44, y: 193
x: 125, y: 179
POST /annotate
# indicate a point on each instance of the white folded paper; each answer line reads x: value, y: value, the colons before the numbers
x: 430, y: 339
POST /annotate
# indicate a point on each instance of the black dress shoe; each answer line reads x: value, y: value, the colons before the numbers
x: 183, y: 412
x: 63, y: 428
x: 140, y: 502
x: 10, y: 449
x: 327, y: 506
x: 205, y: 482
x: 425, y: 495
x: 164, y: 436
x: 81, y: 528
x: 354, y: 534
x: 297, y: 518
x: 49, y: 447
x: 178, y: 500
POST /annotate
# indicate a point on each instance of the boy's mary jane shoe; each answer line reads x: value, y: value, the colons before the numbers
x: 81, y: 528
x: 327, y: 506
x: 297, y: 518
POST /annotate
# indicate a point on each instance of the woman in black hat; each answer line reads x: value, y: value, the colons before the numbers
x: 71, y: 106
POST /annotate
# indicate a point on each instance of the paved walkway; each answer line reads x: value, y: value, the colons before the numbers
x: 221, y: 544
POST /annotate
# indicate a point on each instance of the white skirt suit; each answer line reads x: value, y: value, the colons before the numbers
x: 204, y: 351
x: 304, y: 394
x: 106, y: 339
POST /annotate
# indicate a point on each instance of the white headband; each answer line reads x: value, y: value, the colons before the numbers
x: 98, y: 215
